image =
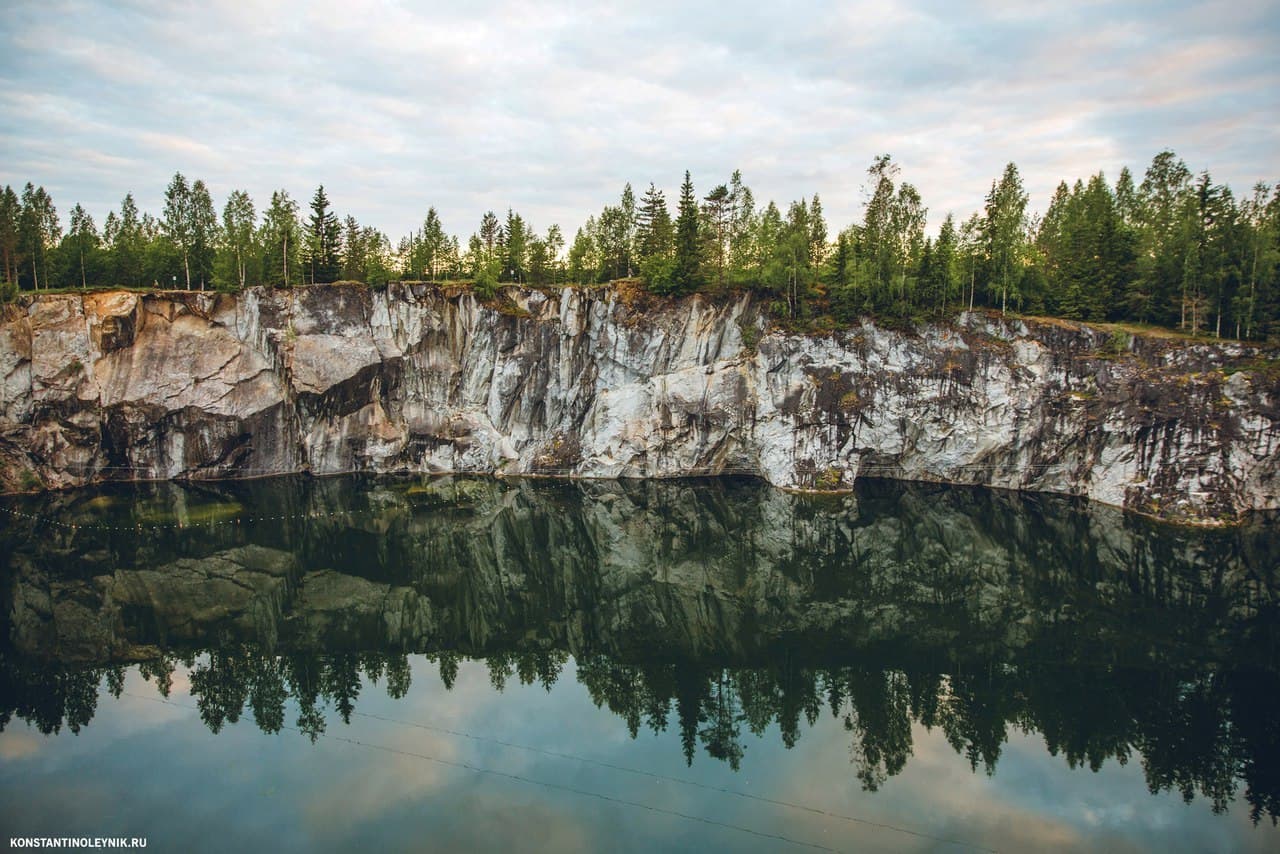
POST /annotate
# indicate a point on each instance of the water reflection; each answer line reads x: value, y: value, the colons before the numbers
x: 716, y: 609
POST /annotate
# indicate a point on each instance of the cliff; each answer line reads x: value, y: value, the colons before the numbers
x: 592, y: 383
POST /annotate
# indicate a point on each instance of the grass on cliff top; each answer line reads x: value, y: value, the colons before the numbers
x: 633, y: 288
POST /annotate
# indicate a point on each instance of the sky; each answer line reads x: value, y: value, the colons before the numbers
x: 551, y: 107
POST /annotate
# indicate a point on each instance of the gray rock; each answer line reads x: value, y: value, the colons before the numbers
x: 580, y: 383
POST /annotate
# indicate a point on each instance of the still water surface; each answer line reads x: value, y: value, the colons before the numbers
x: 458, y: 664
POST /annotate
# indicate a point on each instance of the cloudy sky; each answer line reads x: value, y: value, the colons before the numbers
x: 551, y: 107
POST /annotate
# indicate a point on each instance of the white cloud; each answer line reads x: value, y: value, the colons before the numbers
x: 550, y: 107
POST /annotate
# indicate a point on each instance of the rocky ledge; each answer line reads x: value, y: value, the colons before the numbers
x: 605, y: 383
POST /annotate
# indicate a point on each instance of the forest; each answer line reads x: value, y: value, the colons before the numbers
x: 1174, y: 249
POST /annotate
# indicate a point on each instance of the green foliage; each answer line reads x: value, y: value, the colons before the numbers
x: 687, y: 275
x: 1118, y: 343
x: 486, y: 283
x: 750, y: 335
x: 323, y: 242
x: 1175, y: 249
x: 659, y: 273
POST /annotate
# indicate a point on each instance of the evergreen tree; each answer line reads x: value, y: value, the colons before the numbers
x: 1005, y: 237
x: 655, y: 233
x: 817, y: 233
x: 82, y: 243
x: 627, y: 240
x: 324, y: 241
x: 517, y: 235
x: 687, y: 275
x: 1127, y: 198
x: 716, y: 215
x: 742, y: 219
x: 490, y: 237
x: 10, y: 226
x: 583, y: 256
x: 940, y: 283
x: 204, y: 234
x: 841, y: 263
x: 554, y: 243
x: 354, y: 250
x: 877, y: 234
x: 38, y: 232
x: 1165, y: 213
x: 435, y: 246
x: 1260, y: 256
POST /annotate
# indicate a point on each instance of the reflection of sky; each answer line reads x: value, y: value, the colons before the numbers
x: 144, y: 768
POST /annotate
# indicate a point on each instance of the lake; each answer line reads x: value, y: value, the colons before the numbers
x: 456, y: 663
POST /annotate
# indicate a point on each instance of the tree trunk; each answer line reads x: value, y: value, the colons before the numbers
x: 1253, y: 279
x: 186, y: 268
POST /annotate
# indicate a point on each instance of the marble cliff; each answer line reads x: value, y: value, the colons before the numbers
x: 603, y: 383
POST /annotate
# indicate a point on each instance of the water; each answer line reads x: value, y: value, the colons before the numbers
x: 453, y: 664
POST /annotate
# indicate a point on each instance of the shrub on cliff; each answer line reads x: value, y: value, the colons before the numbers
x: 659, y: 275
x: 486, y: 284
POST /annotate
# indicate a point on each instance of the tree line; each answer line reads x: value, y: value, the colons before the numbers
x: 1175, y: 249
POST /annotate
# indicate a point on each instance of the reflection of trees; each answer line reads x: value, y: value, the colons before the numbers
x: 1197, y: 734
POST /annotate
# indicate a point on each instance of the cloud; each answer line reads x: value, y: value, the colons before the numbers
x: 551, y: 107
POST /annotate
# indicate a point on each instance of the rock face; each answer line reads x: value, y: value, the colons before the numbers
x: 584, y: 382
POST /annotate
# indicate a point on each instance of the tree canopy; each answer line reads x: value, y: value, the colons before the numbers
x: 1174, y: 248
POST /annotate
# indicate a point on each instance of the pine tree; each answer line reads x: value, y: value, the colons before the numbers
x: 686, y: 276
x: 655, y: 234
x: 204, y: 233
x: 10, y: 222
x: 627, y: 240
x: 83, y: 241
x: 1165, y: 209
x: 516, y: 261
x: 944, y: 264
x: 716, y: 214
x: 38, y: 232
x: 324, y: 240
x: 490, y: 237
x: 1006, y: 220
x: 742, y: 219
x: 817, y: 233
x: 434, y: 246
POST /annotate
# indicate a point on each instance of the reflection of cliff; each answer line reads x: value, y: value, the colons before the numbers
x: 708, y: 569
x: 713, y: 607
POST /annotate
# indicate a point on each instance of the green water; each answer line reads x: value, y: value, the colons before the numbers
x: 457, y: 664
